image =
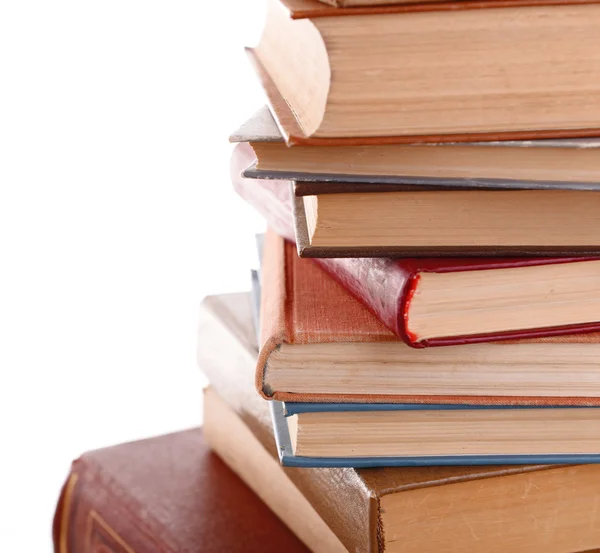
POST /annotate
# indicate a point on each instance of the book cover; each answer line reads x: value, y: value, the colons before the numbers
x: 303, y: 9
x: 167, y: 494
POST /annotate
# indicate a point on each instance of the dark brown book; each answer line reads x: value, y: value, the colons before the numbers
x: 431, y: 72
x: 168, y: 494
x: 491, y: 509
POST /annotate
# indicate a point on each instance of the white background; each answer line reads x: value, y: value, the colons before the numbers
x: 116, y: 218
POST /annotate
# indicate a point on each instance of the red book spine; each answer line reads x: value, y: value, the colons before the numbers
x: 382, y: 284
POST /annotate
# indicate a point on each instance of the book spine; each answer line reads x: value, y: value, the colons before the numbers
x: 274, y: 320
x: 383, y: 285
x: 94, y: 516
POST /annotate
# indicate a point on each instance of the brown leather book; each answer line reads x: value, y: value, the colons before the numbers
x: 522, y: 509
x: 431, y: 72
x: 168, y: 494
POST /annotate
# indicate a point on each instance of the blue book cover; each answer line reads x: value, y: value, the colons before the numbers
x: 279, y: 412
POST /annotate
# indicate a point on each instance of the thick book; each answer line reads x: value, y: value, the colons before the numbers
x: 359, y: 76
x: 481, y: 509
x: 444, y: 301
x: 567, y: 164
x: 168, y: 494
x: 369, y: 220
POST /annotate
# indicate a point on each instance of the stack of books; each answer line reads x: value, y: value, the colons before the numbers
x: 416, y: 368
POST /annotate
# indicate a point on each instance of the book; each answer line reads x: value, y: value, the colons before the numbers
x: 366, y: 220
x: 567, y: 164
x: 443, y: 301
x: 390, y: 435
x: 166, y: 494
x: 480, y: 509
x: 444, y: 4
x: 360, y: 3
x: 451, y: 223
x: 359, y: 77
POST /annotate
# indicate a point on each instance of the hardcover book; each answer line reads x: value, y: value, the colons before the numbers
x: 472, y: 223
x: 357, y: 76
x: 567, y: 164
x: 480, y: 509
x: 168, y: 494
x: 397, y: 435
x: 443, y: 4
x: 443, y: 301
x: 365, y: 3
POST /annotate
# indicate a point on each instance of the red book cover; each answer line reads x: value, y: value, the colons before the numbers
x: 385, y: 285
x: 168, y: 494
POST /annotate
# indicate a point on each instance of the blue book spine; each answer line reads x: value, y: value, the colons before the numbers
x: 288, y: 458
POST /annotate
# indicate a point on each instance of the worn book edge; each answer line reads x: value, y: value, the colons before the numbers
x: 293, y: 135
